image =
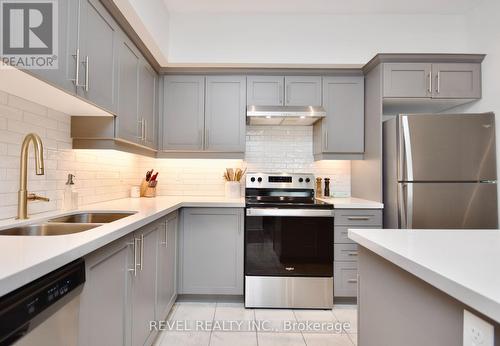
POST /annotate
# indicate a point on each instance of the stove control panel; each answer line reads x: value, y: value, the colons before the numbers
x: 280, y: 180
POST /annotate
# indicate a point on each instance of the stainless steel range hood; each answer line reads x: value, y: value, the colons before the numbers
x: 284, y: 115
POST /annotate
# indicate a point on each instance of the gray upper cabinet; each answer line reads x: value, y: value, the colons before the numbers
x: 183, y: 112
x: 225, y: 122
x: 407, y: 80
x: 148, y: 94
x: 456, y: 80
x: 217, y: 267
x: 303, y: 91
x: 265, y: 90
x: 342, y: 131
x: 166, y: 284
x: 98, y: 55
x: 128, y: 126
x: 65, y: 74
x: 427, y: 80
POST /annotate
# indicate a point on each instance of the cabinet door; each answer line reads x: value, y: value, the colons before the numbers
x: 343, y: 127
x: 167, y: 267
x: 265, y: 90
x: 148, y: 82
x: 67, y: 44
x: 408, y: 80
x: 215, y: 235
x: 303, y: 91
x: 144, y: 284
x: 183, y: 112
x: 128, y: 126
x: 457, y: 81
x: 99, y: 38
x: 105, y: 297
x: 225, y: 122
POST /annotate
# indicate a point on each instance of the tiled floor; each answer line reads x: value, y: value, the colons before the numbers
x: 218, y: 323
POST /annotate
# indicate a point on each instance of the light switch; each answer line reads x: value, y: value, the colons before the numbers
x: 477, y: 332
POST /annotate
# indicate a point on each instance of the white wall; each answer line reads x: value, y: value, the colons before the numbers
x: 309, y: 39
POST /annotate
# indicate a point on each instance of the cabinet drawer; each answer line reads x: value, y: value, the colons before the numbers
x: 340, y: 233
x: 345, y: 279
x: 358, y: 217
x: 345, y: 252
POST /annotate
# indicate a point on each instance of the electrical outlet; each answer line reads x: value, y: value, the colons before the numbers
x: 477, y: 332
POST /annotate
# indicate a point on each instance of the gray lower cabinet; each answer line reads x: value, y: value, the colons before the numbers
x: 183, y: 113
x: 166, y: 284
x: 302, y: 91
x: 104, y: 302
x: 129, y: 283
x: 143, y: 296
x: 99, y: 38
x: 432, y: 80
x: 63, y: 76
x: 265, y: 90
x: 341, y: 132
x: 211, y: 251
x: 225, y: 113
x: 345, y: 251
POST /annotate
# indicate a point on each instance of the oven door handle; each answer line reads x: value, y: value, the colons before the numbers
x: 289, y: 212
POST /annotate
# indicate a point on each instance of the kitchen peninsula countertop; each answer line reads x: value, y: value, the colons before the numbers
x: 465, y: 264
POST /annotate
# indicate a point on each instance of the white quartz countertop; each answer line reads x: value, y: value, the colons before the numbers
x: 25, y: 258
x: 351, y: 203
x: 464, y: 264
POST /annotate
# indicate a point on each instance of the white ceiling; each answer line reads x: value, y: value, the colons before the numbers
x: 324, y: 6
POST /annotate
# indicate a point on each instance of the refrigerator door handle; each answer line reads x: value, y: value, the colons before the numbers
x: 401, y: 206
x: 409, y: 206
x: 407, y: 148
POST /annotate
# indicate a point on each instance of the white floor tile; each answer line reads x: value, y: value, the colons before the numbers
x: 194, y: 311
x: 354, y: 338
x: 231, y: 339
x: 347, y: 314
x: 327, y: 340
x: 273, y: 320
x: 185, y: 339
x: 280, y: 339
x: 314, y: 315
x: 233, y: 312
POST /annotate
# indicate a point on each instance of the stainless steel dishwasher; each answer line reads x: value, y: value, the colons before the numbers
x: 44, y: 312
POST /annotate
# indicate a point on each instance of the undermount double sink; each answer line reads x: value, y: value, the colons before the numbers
x: 67, y: 224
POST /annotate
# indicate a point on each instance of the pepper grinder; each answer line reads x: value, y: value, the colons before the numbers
x: 319, y: 192
x: 327, y: 187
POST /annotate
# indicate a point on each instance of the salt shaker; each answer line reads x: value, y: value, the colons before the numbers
x: 319, y: 191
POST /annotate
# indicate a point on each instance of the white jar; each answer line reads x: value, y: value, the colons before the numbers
x: 233, y: 189
x: 135, y: 192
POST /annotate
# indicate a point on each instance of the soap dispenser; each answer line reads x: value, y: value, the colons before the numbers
x: 70, y: 200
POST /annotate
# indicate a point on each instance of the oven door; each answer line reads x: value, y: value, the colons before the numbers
x: 289, y: 242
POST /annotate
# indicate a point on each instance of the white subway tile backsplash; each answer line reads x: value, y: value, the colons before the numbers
x: 25, y: 105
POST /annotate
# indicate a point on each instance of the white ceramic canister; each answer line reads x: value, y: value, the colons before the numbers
x: 233, y: 189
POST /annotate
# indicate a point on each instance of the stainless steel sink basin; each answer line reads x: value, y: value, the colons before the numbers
x: 49, y: 229
x: 93, y: 217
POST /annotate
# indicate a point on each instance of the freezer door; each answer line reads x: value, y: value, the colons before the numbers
x: 447, y: 205
x: 451, y: 147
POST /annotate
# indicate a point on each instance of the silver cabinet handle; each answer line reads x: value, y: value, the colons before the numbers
x: 207, y: 139
x: 358, y: 218
x: 134, y: 244
x: 141, y: 128
x: 87, y: 66
x: 287, y: 94
x: 352, y: 281
x: 77, y: 69
x: 430, y: 82
x: 201, y: 134
x: 352, y: 253
x: 166, y: 236
x: 141, y: 266
x: 438, y: 82
x: 280, y: 92
x: 326, y: 140
x: 144, y: 129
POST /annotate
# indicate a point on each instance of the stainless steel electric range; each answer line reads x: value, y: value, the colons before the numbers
x: 288, y: 243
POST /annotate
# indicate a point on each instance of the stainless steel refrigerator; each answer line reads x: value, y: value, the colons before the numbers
x: 440, y: 171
